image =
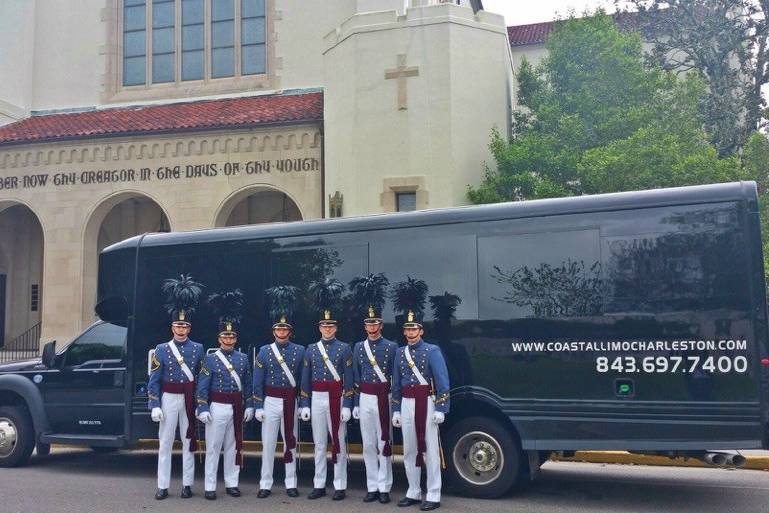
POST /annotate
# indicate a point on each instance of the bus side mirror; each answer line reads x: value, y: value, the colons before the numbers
x: 49, y: 354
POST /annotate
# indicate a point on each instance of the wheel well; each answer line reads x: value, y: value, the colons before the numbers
x: 463, y: 408
x: 8, y: 398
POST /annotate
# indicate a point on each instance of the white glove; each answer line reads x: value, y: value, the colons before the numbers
x: 305, y: 415
x: 438, y: 417
x: 397, y: 419
x: 248, y: 415
x: 259, y: 415
x: 156, y: 414
x: 356, y: 413
x: 205, y: 417
x: 345, y: 414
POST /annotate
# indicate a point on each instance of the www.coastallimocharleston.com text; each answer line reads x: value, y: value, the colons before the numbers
x: 631, y: 346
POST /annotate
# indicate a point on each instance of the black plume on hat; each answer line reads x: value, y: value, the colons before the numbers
x: 228, y: 306
x: 327, y: 293
x: 370, y: 290
x: 409, y: 295
x: 182, y: 296
x: 282, y: 300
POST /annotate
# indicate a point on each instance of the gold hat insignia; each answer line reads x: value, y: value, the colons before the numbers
x: 371, y: 312
x: 181, y: 315
x: 326, y: 315
x: 283, y: 319
x: 411, y: 316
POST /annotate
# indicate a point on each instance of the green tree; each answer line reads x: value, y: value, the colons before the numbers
x: 598, y: 118
x: 727, y: 42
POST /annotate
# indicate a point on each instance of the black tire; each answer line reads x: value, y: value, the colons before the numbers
x: 17, y: 436
x: 104, y: 450
x: 42, y: 449
x: 483, y: 458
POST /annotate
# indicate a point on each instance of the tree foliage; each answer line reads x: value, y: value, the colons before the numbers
x: 723, y: 40
x: 598, y: 118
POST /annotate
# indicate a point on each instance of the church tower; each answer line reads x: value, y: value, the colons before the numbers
x: 411, y: 94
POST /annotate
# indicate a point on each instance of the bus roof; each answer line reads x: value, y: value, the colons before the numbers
x: 734, y: 191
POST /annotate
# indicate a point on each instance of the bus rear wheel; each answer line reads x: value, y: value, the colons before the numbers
x: 484, y: 458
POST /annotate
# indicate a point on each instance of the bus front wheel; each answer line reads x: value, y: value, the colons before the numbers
x: 484, y: 459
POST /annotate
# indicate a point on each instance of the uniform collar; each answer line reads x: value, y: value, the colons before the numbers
x: 328, y: 342
x: 370, y: 341
x: 418, y: 345
x: 282, y: 345
x: 227, y: 353
x: 181, y: 342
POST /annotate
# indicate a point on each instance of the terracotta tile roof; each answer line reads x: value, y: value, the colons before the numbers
x: 531, y: 34
x: 177, y: 117
x: 537, y: 33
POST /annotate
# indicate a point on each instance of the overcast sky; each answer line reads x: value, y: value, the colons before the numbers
x: 521, y: 12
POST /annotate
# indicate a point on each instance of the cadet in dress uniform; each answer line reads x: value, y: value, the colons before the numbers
x: 373, y: 362
x: 224, y: 389
x: 420, y: 397
x: 327, y: 388
x: 171, y: 385
x: 278, y: 367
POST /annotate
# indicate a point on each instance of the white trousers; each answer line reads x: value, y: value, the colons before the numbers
x: 174, y: 414
x: 432, y: 456
x: 272, y: 424
x: 220, y: 435
x: 321, y: 429
x: 379, y: 468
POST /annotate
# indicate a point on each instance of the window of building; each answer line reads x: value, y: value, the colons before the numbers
x: 406, y: 201
x: 134, y: 42
x: 219, y: 39
x: 34, y: 298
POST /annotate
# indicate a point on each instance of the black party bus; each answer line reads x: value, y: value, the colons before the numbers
x: 634, y: 321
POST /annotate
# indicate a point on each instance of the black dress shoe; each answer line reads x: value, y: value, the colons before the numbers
x: 161, y: 494
x: 317, y: 493
x: 292, y: 492
x: 371, y: 497
x: 186, y: 492
x: 339, y: 495
x: 263, y: 493
x: 429, y: 506
x: 233, y: 492
x: 211, y: 496
x: 406, y: 502
x: 384, y: 497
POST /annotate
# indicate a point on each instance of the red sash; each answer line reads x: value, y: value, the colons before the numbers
x: 188, y: 389
x: 419, y: 393
x: 288, y: 395
x: 381, y: 390
x: 236, y: 400
x: 334, y: 389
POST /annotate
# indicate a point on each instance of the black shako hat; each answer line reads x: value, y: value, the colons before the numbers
x: 228, y: 306
x: 182, y: 296
x: 370, y: 290
x: 327, y: 295
x: 282, y: 299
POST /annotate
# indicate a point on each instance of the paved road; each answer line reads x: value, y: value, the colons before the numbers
x: 80, y: 481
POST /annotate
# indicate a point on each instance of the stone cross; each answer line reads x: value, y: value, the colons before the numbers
x: 401, y: 73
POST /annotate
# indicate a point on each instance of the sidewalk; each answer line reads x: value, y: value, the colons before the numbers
x: 756, y: 460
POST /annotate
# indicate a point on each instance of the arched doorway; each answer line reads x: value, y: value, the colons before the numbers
x: 256, y: 206
x: 117, y: 218
x: 21, y: 277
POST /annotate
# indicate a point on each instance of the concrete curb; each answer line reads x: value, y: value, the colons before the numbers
x: 754, y: 462
x: 625, y: 458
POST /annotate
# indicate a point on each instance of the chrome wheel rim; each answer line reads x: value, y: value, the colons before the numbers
x: 8, y: 437
x: 478, y: 458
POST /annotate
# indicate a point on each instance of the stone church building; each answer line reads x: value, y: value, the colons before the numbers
x: 119, y: 117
